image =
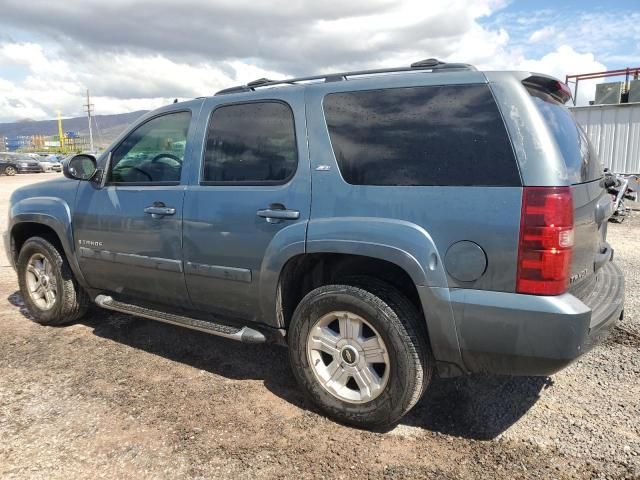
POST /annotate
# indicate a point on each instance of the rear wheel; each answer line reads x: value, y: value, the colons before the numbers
x: 10, y: 170
x: 359, y: 352
x: 49, y: 290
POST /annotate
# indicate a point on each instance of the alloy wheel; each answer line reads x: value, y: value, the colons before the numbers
x: 348, y: 357
x: 41, y: 282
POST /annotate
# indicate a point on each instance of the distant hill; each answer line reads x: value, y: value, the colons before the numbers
x: 108, y: 126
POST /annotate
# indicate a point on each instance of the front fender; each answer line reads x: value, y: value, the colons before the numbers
x: 54, y: 213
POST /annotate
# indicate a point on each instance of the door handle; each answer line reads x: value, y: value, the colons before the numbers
x: 276, y: 213
x: 159, y: 210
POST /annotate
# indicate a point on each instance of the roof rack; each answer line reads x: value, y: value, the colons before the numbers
x: 429, y: 64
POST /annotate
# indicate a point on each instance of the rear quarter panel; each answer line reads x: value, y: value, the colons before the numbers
x: 410, y: 226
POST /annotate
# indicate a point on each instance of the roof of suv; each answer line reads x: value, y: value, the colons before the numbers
x: 430, y: 64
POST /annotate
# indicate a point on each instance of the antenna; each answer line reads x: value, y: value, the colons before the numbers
x: 89, y: 106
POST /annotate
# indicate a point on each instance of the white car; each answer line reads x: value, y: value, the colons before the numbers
x: 48, y: 162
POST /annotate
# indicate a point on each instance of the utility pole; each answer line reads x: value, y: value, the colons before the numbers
x: 60, y: 134
x: 89, y: 106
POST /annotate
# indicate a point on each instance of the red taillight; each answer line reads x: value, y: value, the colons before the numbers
x: 546, y: 240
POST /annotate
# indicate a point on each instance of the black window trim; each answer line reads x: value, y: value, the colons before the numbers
x: 150, y: 184
x: 248, y: 183
x: 487, y: 84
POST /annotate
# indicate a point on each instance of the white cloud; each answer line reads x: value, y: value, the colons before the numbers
x: 145, y: 53
x: 542, y: 34
x: 566, y: 60
x: 118, y: 82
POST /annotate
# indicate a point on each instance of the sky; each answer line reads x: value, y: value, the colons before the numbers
x: 141, y: 54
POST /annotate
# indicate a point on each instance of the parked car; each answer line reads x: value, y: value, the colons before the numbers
x: 23, y: 162
x: 385, y: 225
x: 7, y: 165
x: 51, y: 163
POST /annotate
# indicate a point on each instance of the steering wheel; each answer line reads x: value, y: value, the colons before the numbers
x: 165, y: 155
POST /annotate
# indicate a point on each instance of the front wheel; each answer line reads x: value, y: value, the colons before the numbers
x: 360, y: 352
x: 48, y: 287
x: 10, y: 171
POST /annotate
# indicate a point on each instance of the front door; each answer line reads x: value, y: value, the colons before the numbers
x: 250, y: 202
x: 129, y: 233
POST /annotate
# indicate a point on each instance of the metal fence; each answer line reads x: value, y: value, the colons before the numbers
x: 614, y: 131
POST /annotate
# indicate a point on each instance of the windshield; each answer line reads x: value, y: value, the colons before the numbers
x: 579, y: 156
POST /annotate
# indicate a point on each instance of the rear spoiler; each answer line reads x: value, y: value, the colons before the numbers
x: 554, y: 87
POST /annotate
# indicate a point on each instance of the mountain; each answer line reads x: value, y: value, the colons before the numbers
x: 108, y: 126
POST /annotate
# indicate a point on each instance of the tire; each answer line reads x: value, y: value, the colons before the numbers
x: 390, y: 316
x: 10, y: 171
x: 69, y: 302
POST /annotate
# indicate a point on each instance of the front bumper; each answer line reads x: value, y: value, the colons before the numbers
x: 513, y: 334
x: 8, y: 248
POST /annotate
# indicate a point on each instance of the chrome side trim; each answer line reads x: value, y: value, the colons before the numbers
x: 218, y: 271
x: 132, y: 259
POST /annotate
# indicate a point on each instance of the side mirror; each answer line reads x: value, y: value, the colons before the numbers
x: 80, y: 167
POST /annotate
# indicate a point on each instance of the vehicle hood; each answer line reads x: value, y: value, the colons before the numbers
x: 62, y: 188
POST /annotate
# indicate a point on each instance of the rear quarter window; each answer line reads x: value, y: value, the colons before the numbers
x: 579, y: 156
x: 436, y: 135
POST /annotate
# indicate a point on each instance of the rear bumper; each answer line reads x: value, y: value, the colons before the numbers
x: 513, y: 334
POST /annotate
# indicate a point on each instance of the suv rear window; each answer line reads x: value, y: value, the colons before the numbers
x: 251, y: 143
x: 439, y: 135
x: 578, y: 153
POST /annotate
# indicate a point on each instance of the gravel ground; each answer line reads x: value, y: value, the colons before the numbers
x: 115, y: 396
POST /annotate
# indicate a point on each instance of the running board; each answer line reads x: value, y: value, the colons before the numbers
x: 244, y: 334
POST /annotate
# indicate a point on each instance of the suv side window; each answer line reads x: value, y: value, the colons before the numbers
x: 250, y: 143
x: 436, y: 135
x: 153, y: 152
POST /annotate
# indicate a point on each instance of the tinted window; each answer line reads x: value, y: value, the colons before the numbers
x: 444, y: 135
x: 153, y: 152
x: 251, y: 143
x: 580, y: 158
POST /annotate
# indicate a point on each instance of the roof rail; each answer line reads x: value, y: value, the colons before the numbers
x: 429, y: 64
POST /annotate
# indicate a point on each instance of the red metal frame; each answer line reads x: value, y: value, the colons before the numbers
x: 635, y: 71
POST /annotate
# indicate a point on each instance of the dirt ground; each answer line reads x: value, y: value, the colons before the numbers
x: 121, y: 397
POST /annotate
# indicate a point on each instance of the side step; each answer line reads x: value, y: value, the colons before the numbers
x: 244, y: 334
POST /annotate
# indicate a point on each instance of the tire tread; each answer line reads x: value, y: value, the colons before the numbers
x: 405, y: 320
x: 74, y: 301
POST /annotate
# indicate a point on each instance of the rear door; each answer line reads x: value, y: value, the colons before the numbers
x: 592, y: 204
x: 249, y: 202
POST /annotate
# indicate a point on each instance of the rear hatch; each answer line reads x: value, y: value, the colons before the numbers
x: 592, y: 204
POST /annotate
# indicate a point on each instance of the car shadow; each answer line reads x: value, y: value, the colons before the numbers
x: 474, y: 407
x: 479, y: 407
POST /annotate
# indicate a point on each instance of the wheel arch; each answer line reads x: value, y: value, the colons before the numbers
x: 43, y: 216
x: 305, y: 272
